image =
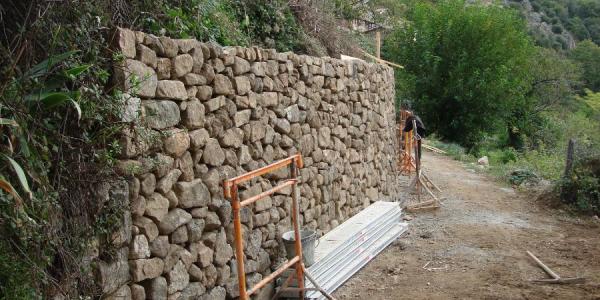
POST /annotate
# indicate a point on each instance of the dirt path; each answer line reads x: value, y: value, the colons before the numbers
x: 478, y: 241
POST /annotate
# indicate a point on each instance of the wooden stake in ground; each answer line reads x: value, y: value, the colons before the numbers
x: 555, y: 278
x: 420, y: 181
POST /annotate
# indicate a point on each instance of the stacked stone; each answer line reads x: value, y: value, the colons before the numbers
x: 201, y: 114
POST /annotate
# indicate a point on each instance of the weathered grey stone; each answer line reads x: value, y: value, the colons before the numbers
x: 268, y: 99
x: 186, y: 164
x: 196, y: 274
x: 223, y: 274
x: 217, y: 293
x: 204, y: 254
x: 146, y: 227
x: 282, y: 126
x: 132, y: 109
x: 156, y: 288
x: 182, y: 65
x: 171, y: 89
x: 147, y: 184
x: 175, y: 218
x: 240, y: 66
x: 157, y: 206
x: 139, y: 247
x: 193, y: 291
x: 204, y: 93
x: 225, y: 213
x: 178, y: 278
x: 208, y: 72
x: 258, y: 68
x: 213, y: 154
x: 198, y: 58
x: 242, y: 117
x: 177, y: 141
x: 261, y: 219
x: 222, y: 85
x: 243, y: 155
x: 122, y: 293
x: 124, y: 40
x: 136, y: 78
x: 145, y: 268
x: 215, y: 103
x: 138, y: 206
x: 195, y: 228
x: 233, y: 137
x: 163, y: 68
x: 113, y: 274
x: 147, y: 56
x: 199, y: 138
x: 186, y: 45
x: 293, y: 113
x: 169, y: 47
x: 194, y: 79
x: 193, y: 116
x: 242, y: 85
x: 263, y: 204
x: 160, y: 246
x: 137, y: 292
x: 212, y: 221
x: 160, y: 114
x: 223, y: 251
x: 192, y: 194
x: 166, y: 183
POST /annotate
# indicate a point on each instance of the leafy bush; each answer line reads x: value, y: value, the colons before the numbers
x: 587, y: 54
x: 581, y: 188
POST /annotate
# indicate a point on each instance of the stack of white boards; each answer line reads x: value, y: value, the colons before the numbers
x: 350, y: 246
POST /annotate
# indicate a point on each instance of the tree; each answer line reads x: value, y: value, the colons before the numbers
x: 554, y: 80
x: 468, y: 63
x: 587, y: 54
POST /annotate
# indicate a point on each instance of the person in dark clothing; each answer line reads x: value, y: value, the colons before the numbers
x: 420, y: 129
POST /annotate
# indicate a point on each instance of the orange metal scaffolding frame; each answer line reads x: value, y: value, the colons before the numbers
x: 230, y: 187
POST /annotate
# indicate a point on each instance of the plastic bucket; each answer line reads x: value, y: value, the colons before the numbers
x: 308, y: 239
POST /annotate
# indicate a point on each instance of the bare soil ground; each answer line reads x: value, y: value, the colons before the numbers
x: 475, y: 246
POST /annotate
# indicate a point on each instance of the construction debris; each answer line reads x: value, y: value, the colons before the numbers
x: 350, y: 246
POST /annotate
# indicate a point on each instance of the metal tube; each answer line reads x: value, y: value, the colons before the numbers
x: 258, y: 172
x: 267, y: 193
x: 272, y: 276
x: 297, y: 237
x: 239, y: 247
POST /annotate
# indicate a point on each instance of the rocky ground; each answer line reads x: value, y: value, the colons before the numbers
x: 474, y: 246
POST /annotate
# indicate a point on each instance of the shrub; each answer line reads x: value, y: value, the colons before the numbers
x: 581, y: 188
x: 557, y: 29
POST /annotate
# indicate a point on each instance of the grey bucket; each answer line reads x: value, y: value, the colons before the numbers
x: 307, y: 239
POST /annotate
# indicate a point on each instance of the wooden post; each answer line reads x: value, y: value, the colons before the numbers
x: 378, y: 44
x: 566, y: 194
x: 570, y: 157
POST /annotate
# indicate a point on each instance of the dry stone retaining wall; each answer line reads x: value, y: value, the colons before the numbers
x: 200, y: 114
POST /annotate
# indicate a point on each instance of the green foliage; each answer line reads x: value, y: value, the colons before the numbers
x: 270, y: 22
x: 554, y: 79
x: 56, y: 120
x: 230, y: 23
x: 588, y: 55
x: 580, y: 17
x: 469, y: 62
x: 212, y: 20
x: 581, y: 188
